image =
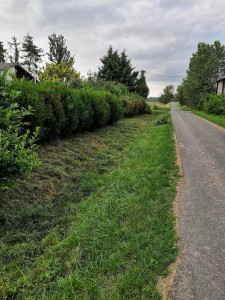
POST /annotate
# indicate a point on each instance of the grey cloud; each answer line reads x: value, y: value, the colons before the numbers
x: 17, y: 7
x: 159, y: 35
x: 79, y: 13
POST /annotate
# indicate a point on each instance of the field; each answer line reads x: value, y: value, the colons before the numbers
x: 95, y: 221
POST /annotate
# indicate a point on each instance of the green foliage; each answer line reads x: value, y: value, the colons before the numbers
x: 60, y: 72
x: 168, y: 94
x: 118, y: 69
x: 60, y: 110
x: 135, y: 105
x: 179, y: 95
x: 142, y: 86
x: 2, y: 53
x: 96, y: 83
x: 108, y: 231
x: 58, y: 52
x: 17, y: 144
x: 32, y: 54
x: 14, y: 50
x: 213, y: 104
x: 206, y: 66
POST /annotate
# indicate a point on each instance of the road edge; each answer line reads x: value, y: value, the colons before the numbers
x: 210, y: 122
x: 165, y: 284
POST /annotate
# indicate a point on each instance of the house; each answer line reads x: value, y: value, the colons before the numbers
x: 17, y: 70
x: 220, y: 86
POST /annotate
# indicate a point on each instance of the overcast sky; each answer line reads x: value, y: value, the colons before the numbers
x: 158, y: 35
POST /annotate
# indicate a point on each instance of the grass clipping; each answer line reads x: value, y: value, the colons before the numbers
x: 120, y: 237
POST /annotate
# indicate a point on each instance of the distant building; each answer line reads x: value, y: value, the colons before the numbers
x: 220, y: 86
x: 17, y: 70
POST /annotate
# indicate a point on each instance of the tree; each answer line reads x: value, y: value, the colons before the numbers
x: 60, y: 72
x: 206, y: 66
x: 127, y: 75
x: 32, y: 54
x: 58, y: 52
x: 109, y: 70
x: 142, y: 87
x: 168, y: 94
x: 14, y: 50
x: 118, y: 68
x: 179, y: 95
x: 2, y: 53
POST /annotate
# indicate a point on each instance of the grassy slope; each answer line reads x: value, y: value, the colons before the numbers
x: 116, y: 241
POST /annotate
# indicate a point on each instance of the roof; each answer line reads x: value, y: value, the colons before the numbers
x: 220, y: 79
x: 16, y: 66
x: 6, y: 65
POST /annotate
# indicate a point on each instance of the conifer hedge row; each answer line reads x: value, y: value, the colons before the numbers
x: 60, y: 110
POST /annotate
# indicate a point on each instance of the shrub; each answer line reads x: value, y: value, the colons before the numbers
x: 135, y: 105
x: 60, y: 110
x: 17, y: 144
x: 116, y: 107
x: 214, y: 104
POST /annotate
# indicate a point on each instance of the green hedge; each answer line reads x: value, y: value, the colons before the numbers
x: 213, y: 104
x: 17, y: 145
x: 60, y: 110
x: 135, y: 106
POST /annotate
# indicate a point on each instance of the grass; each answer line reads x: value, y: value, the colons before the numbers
x: 96, y: 221
x: 155, y: 106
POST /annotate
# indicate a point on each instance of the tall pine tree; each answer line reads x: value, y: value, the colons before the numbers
x: 118, y: 68
x: 127, y: 75
x: 142, y: 87
x: 58, y: 52
x: 2, y: 53
x: 32, y: 54
x: 110, y: 69
x: 14, y: 50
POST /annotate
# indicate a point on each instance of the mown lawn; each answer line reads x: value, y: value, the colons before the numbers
x: 96, y: 220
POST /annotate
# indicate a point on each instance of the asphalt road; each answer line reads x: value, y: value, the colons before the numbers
x: 201, y: 209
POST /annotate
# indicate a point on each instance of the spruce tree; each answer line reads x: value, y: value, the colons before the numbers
x: 2, y: 53
x: 128, y: 76
x: 32, y: 54
x: 14, y: 50
x: 58, y: 52
x: 142, y: 87
x: 118, y: 68
x: 110, y: 69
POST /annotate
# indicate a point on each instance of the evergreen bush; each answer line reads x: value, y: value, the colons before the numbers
x: 60, y: 110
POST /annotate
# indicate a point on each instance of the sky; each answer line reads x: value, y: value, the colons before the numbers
x: 159, y: 35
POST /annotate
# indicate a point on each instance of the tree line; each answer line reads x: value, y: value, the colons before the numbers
x: 116, y: 68
x: 206, y: 66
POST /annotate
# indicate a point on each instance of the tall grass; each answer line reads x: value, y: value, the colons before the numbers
x: 106, y: 228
